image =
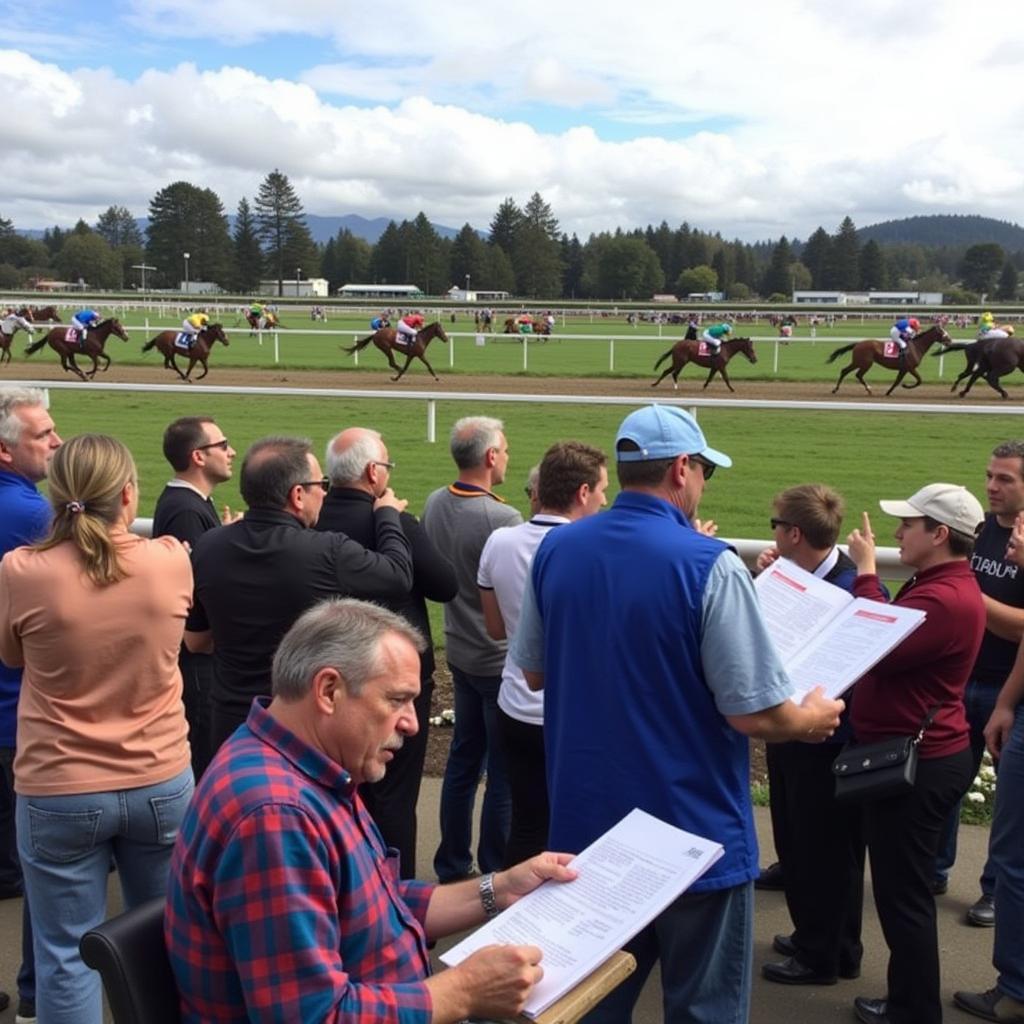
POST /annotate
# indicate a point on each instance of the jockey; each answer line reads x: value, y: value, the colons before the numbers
x: 256, y: 310
x: 11, y: 321
x: 83, y: 320
x: 408, y: 326
x: 987, y: 328
x: 380, y: 321
x: 714, y: 336
x: 902, y: 331
x: 193, y: 324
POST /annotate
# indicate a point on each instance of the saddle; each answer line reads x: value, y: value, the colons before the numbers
x: 403, y: 340
x: 73, y: 337
x: 891, y: 350
x: 704, y: 349
x: 183, y: 340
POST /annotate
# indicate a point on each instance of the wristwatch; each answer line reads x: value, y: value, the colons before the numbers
x: 487, y: 900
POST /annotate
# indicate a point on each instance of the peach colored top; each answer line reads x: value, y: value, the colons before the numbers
x: 100, y: 706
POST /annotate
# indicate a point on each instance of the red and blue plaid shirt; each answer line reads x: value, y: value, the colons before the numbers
x: 283, y: 903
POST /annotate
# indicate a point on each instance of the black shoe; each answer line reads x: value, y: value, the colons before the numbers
x: 986, y: 1005
x: 871, y: 1011
x: 26, y: 1012
x: 770, y: 878
x: 11, y: 892
x: 5, y: 1001
x: 792, y: 972
x: 940, y: 886
x: 785, y: 946
x: 983, y: 913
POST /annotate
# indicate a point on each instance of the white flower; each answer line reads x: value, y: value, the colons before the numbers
x: 448, y: 715
x: 987, y: 774
x: 975, y: 797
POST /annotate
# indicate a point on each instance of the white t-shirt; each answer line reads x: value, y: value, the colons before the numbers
x: 504, y: 568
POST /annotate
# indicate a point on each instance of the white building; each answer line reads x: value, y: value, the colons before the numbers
x: 309, y: 286
x: 380, y: 291
x: 869, y: 298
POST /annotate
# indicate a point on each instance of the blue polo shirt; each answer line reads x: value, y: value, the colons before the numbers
x: 24, y: 519
x: 648, y: 634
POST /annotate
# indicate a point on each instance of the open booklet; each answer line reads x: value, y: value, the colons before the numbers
x: 626, y: 878
x: 823, y: 635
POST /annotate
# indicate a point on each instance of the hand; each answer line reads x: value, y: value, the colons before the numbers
x: 227, y: 517
x: 825, y: 719
x: 388, y: 500
x: 765, y: 559
x: 498, y: 979
x: 706, y: 526
x: 998, y: 729
x: 1015, y: 547
x: 517, y: 881
x: 861, y: 544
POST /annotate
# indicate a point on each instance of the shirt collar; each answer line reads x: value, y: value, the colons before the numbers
x: 463, y: 490
x: 178, y: 482
x: 827, y: 564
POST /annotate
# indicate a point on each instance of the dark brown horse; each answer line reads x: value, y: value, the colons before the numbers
x: 64, y: 342
x: 43, y: 314
x: 870, y: 351
x: 385, y: 340
x: 9, y: 327
x: 994, y: 358
x: 688, y: 351
x: 198, y: 353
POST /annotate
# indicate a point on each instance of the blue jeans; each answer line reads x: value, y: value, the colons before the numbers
x: 979, y: 702
x: 66, y: 844
x: 1006, y: 855
x: 475, y: 744
x: 705, y: 944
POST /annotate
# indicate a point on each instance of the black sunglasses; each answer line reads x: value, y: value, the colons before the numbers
x: 707, y: 467
x: 324, y: 484
x: 780, y: 522
x: 387, y: 465
x: 222, y: 445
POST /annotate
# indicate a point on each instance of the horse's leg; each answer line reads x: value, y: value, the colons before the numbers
x: 95, y: 366
x: 860, y: 376
x: 970, y: 384
x: 423, y: 359
x: 206, y: 370
x: 73, y: 367
x: 711, y: 374
x: 725, y: 377
x: 408, y: 360
x: 663, y: 376
x: 917, y: 380
x: 842, y: 374
x: 106, y: 361
x: 992, y: 379
x: 899, y: 377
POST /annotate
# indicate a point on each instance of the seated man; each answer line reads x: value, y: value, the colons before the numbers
x: 903, y: 331
x: 283, y: 903
x: 714, y: 336
x: 408, y: 327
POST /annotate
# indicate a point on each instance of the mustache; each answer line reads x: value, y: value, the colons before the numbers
x: 394, y: 745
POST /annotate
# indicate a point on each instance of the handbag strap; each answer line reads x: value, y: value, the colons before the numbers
x: 925, y: 722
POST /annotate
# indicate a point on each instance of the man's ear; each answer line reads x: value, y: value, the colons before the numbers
x: 328, y: 687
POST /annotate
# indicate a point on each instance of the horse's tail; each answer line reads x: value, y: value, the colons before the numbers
x: 36, y: 345
x: 358, y: 346
x: 149, y: 344
x: 664, y: 357
x: 840, y: 351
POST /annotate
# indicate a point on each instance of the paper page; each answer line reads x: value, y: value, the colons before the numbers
x: 626, y: 878
x: 795, y: 605
x: 861, y: 635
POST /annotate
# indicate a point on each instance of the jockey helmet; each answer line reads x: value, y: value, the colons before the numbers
x: 915, y: 324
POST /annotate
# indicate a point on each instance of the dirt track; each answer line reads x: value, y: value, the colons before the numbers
x: 494, y: 383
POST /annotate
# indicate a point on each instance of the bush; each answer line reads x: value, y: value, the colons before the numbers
x: 976, y: 808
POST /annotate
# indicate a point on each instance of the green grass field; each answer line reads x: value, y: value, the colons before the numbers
x: 609, y: 348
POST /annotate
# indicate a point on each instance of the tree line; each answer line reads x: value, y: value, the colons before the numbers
x: 524, y: 252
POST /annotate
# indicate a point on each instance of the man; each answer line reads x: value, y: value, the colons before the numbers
x: 1002, y: 586
x: 283, y: 903
x: 714, y: 335
x: 359, y: 469
x: 201, y: 458
x: 571, y: 483
x: 459, y: 519
x: 28, y: 440
x: 254, y: 578
x: 820, y: 841
x: 668, y: 672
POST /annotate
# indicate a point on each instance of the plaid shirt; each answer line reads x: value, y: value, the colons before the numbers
x: 283, y: 903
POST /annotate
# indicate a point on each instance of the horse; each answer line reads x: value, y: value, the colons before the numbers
x: 257, y: 323
x: 999, y: 357
x: 870, y: 351
x: 50, y: 314
x: 972, y: 350
x: 688, y: 351
x: 91, y: 346
x: 198, y: 353
x: 386, y: 340
x: 9, y: 327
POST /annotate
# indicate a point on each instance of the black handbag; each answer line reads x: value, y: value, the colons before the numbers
x: 875, y: 770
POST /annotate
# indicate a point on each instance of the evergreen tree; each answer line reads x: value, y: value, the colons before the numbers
x: 53, y: 239
x: 388, y: 263
x: 85, y: 256
x: 1009, y: 279
x: 352, y: 259
x: 980, y: 265
x: 816, y: 256
x: 505, y: 225
x: 872, y: 267
x: 843, y: 267
x: 499, y: 276
x: 572, y: 261
x: 536, y: 252
x: 428, y: 260
x: 248, y: 256
x: 118, y: 228
x: 281, y: 227
x: 469, y: 258
x: 778, y: 279
x: 6, y: 228
x: 184, y: 218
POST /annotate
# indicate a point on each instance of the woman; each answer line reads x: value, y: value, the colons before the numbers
x: 924, y: 677
x: 95, y: 615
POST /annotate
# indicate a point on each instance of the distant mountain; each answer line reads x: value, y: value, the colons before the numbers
x: 953, y: 230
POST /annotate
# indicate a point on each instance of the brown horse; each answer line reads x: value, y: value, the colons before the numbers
x: 198, y: 353
x: 44, y: 314
x: 9, y: 327
x: 264, y: 323
x: 870, y: 351
x: 993, y: 358
x: 687, y: 351
x: 385, y: 340
x: 91, y: 346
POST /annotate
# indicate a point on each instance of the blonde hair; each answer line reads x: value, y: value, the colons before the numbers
x: 87, y: 476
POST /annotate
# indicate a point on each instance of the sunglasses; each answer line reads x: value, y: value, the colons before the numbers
x: 780, y: 522
x: 387, y: 465
x: 324, y: 484
x: 222, y: 445
x: 708, y: 468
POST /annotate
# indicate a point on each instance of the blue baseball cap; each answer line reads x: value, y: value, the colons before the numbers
x: 663, y: 432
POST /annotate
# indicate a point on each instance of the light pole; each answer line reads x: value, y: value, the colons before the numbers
x: 298, y: 277
x: 143, y: 267
x: 186, y: 255
x: 467, y: 287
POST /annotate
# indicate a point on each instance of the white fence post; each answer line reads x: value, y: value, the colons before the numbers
x: 775, y: 361
x: 355, y: 338
x: 451, y: 351
x: 277, y: 348
x: 526, y: 346
x: 432, y: 421
x: 611, y: 354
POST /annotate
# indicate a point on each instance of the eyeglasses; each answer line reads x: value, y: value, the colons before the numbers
x: 387, y: 465
x: 708, y: 468
x: 780, y: 522
x: 324, y: 484
x: 222, y: 444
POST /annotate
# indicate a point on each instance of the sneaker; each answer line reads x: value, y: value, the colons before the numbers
x: 991, y: 1005
x: 26, y: 1012
x: 983, y: 913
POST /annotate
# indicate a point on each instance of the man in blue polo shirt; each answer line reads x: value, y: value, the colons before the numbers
x: 669, y: 671
x: 27, y: 443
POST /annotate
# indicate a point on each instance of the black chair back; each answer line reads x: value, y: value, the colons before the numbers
x: 129, y: 952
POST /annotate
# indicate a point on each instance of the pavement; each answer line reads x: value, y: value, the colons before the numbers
x: 965, y: 951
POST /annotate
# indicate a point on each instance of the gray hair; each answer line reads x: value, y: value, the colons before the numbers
x: 340, y: 633
x: 346, y: 466
x: 471, y: 437
x: 531, y: 480
x: 12, y: 398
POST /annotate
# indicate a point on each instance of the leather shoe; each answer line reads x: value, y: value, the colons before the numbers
x: 940, y: 886
x: 785, y: 946
x: 991, y: 1005
x: 770, y: 878
x: 983, y: 913
x: 871, y: 1011
x: 792, y: 972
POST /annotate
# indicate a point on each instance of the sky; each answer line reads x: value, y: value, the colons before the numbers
x: 750, y: 118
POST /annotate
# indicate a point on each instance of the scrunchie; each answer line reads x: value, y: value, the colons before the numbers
x: 75, y: 506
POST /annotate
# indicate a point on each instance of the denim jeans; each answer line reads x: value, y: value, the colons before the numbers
x: 1006, y: 854
x: 27, y: 972
x: 66, y: 844
x: 475, y: 744
x: 979, y: 701
x: 705, y: 944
